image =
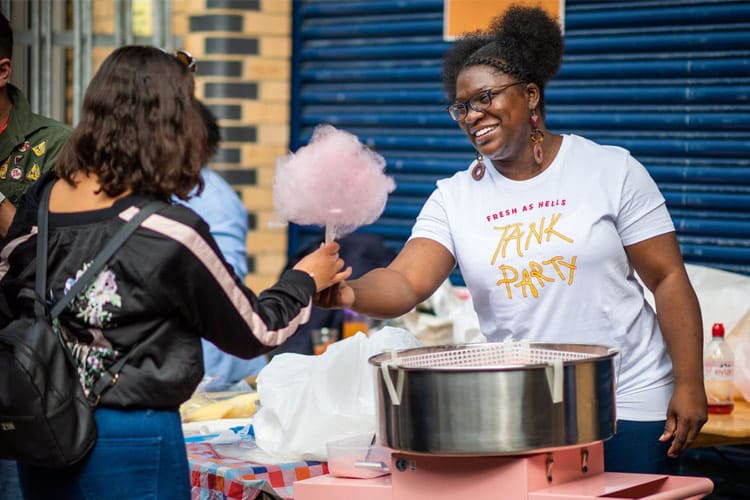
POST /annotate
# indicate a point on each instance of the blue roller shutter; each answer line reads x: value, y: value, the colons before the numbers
x: 669, y: 80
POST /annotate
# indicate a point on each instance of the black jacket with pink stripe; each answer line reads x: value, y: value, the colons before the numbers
x: 163, y: 290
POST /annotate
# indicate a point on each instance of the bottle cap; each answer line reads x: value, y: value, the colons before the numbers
x: 717, y: 330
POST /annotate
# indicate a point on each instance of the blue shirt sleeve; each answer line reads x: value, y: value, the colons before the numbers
x: 226, y: 217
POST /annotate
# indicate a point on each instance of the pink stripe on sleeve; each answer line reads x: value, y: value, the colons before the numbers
x: 8, y: 249
x: 192, y: 240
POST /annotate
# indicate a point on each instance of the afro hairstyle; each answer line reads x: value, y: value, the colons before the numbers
x: 524, y: 42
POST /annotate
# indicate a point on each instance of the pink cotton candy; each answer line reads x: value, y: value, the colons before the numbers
x: 334, y: 181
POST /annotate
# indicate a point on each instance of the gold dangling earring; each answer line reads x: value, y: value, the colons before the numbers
x: 537, y: 138
x: 478, y: 171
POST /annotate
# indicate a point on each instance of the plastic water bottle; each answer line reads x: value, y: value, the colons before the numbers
x: 718, y: 372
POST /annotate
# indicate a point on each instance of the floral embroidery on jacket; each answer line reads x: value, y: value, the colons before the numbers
x: 90, y: 303
x: 92, y: 358
x: 91, y: 361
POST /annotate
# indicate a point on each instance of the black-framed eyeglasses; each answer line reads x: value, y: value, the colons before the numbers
x: 478, y: 102
x: 187, y: 59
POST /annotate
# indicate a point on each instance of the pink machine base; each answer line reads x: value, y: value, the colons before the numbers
x: 569, y: 473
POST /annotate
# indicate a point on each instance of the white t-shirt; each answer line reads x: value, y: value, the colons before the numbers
x: 544, y: 260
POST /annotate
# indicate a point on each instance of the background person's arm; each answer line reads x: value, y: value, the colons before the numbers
x: 659, y: 263
x: 7, y: 212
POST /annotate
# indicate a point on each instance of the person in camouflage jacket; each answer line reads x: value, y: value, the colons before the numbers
x: 29, y: 143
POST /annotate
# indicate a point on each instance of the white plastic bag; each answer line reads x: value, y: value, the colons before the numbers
x: 306, y: 401
x: 722, y: 296
x: 451, y: 320
x: 739, y: 340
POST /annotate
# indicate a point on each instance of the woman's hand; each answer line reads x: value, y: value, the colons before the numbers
x: 339, y: 296
x: 658, y: 261
x: 324, y: 266
x: 686, y: 414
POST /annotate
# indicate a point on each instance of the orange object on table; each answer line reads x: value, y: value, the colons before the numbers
x: 353, y: 323
x: 322, y: 338
x: 729, y: 429
x: 352, y: 328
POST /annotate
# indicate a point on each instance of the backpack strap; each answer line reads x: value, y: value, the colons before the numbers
x: 109, y: 377
x: 40, y: 280
x: 96, y: 265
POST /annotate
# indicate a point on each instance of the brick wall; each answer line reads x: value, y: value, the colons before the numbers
x: 243, y: 48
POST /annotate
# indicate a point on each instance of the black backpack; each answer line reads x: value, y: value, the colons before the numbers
x: 45, y: 417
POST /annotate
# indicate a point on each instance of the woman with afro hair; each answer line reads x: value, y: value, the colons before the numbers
x: 549, y: 231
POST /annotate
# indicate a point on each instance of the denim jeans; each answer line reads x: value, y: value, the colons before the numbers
x: 636, y: 448
x: 10, y: 488
x: 139, y: 454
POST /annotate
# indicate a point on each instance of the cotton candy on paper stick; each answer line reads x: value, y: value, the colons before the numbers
x: 334, y: 181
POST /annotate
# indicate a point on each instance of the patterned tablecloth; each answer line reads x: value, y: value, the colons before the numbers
x: 215, y: 477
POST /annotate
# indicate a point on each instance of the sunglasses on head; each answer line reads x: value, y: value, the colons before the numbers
x: 187, y: 59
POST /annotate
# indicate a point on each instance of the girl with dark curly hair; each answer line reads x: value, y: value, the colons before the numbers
x: 141, y: 138
x: 549, y: 231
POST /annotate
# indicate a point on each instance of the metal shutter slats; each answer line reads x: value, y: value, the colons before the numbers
x: 670, y: 81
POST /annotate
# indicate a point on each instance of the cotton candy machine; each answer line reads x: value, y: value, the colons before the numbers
x: 504, y: 420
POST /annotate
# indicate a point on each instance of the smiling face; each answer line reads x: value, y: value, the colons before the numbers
x: 501, y: 131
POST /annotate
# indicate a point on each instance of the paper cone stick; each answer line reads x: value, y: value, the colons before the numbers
x: 334, y: 214
x: 330, y: 233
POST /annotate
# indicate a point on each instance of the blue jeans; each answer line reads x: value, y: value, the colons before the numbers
x: 139, y: 454
x: 636, y: 448
x: 10, y: 488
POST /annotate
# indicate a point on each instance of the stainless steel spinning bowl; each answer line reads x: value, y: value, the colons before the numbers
x: 494, y: 399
